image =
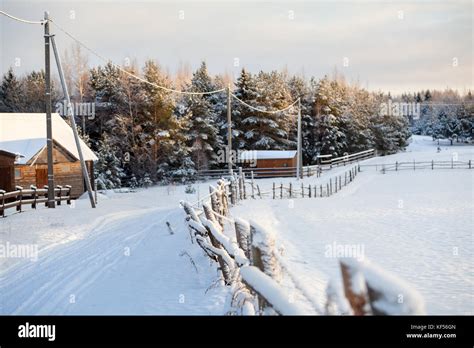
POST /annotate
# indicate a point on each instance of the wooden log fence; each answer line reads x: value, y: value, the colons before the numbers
x: 417, y: 165
x: 32, y: 196
x: 252, y: 267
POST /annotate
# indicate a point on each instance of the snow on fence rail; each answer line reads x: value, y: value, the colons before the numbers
x: 253, y: 268
x: 19, y: 197
x: 414, y: 165
x: 291, y: 171
x: 347, y: 159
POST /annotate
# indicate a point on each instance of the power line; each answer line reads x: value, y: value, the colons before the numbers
x: 22, y: 20
x: 265, y: 111
x: 129, y: 73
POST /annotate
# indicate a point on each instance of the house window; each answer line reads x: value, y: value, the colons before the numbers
x: 17, y: 173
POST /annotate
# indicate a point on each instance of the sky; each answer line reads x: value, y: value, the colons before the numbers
x: 382, y: 45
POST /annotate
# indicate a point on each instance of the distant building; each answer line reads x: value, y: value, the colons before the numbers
x: 7, y: 170
x: 23, y: 135
x: 269, y: 159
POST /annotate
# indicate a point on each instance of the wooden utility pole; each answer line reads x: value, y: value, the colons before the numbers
x: 298, y: 152
x: 229, y: 130
x: 49, y: 128
x: 70, y: 112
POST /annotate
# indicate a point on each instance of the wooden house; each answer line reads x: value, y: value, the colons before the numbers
x: 7, y: 170
x: 269, y: 159
x: 24, y: 135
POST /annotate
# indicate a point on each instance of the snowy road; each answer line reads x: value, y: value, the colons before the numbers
x: 127, y: 263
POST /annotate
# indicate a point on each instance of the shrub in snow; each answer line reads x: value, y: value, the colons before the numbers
x: 190, y: 189
x: 146, y: 181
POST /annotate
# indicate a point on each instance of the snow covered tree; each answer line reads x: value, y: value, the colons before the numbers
x: 331, y: 139
x: 11, y: 97
x: 108, y: 169
x: 269, y: 131
x: 203, y: 135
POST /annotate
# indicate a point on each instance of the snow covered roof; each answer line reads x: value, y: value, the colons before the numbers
x: 266, y: 154
x: 25, y: 134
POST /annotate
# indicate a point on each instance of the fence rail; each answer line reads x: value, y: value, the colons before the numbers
x: 290, y: 171
x: 414, y: 165
x: 253, y: 268
x: 34, y: 196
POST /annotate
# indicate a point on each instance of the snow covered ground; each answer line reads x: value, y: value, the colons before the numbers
x: 416, y: 224
x: 117, y: 259
x: 121, y: 258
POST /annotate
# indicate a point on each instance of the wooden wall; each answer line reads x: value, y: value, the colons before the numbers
x: 68, y: 173
x: 276, y: 162
x: 7, y: 172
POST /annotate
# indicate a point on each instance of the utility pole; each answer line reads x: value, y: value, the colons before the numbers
x: 49, y: 128
x: 299, y: 156
x: 229, y: 130
x: 70, y: 112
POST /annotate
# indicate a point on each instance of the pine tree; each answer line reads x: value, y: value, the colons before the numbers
x: 11, y: 96
x: 203, y: 136
x: 108, y: 169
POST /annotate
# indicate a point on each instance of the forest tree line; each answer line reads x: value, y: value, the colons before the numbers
x: 143, y: 134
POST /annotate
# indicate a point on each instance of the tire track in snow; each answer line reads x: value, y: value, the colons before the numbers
x: 45, y: 285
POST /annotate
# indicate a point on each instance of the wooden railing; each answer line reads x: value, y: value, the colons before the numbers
x: 289, y: 171
x: 253, y: 268
x: 414, y: 165
x: 32, y: 196
x: 347, y: 159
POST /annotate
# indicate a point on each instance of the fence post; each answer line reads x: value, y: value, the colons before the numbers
x: 33, y: 205
x: 340, y: 182
x: 357, y: 297
x: 281, y: 190
x: 452, y: 163
x: 309, y: 191
x: 330, y: 186
x: 47, y: 188
x: 243, y: 186
x: 302, y: 190
x: 345, y: 178
x: 242, y: 232
x: 2, y: 209
x: 18, y: 207
x: 469, y: 164
x: 260, y: 194
x: 432, y: 164
x: 414, y: 165
x: 251, y: 177
x: 68, y: 201
x: 315, y: 191
x: 396, y: 166
x: 59, y: 195
x: 358, y: 168
x: 327, y: 190
x: 273, y: 190
x: 290, y: 190
x: 335, y: 184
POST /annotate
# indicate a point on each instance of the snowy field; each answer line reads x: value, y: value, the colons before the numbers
x: 416, y: 224
x: 122, y: 258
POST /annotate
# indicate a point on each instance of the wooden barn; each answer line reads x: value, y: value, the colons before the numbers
x: 269, y: 158
x: 23, y: 139
x: 7, y: 170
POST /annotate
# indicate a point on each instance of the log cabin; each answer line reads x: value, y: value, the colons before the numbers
x: 269, y: 159
x: 24, y: 136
